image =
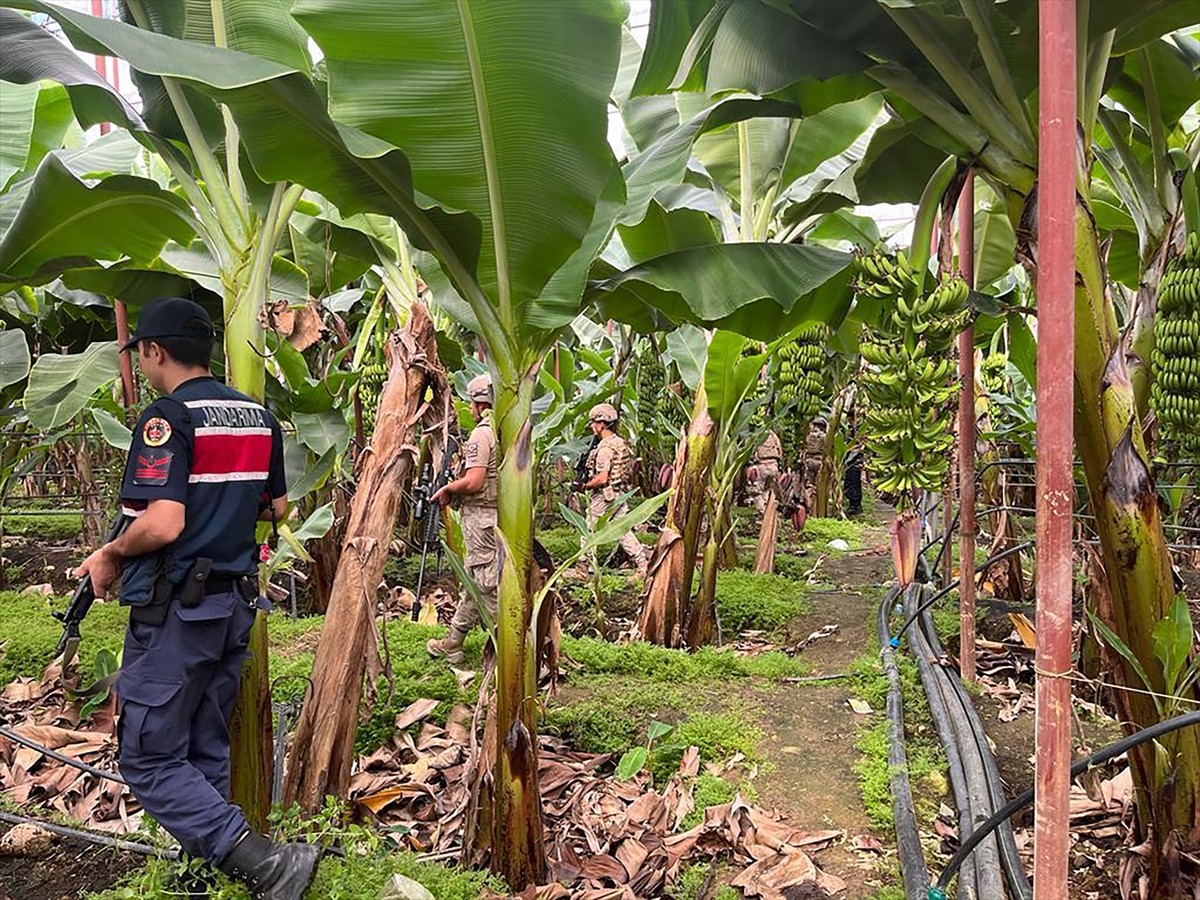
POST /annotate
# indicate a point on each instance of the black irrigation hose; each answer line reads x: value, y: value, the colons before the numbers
x: 1014, y: 870
x: 955, y: 769
x: 1010, y: 858
x: 938, y: 891
x: 982, y: 567
x: 59, y: 757
x: 972, y: 795
x: 102, y: 839
x: 908, y: 838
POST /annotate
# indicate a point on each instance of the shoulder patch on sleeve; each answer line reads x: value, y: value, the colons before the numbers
x: 156, y: 432
x: 153, y: 466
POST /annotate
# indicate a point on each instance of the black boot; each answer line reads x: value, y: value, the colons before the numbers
x: 272, y: 871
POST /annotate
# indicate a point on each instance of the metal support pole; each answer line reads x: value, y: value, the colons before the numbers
x: 128, y: 384
x: 966, y: 441
x: 1055, y: 442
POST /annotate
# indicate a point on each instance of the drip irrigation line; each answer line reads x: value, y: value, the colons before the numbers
x: 956, y: 770
x: 17, y: 738
x: 1103, y: 755
x: 1010, y: 858
x: 913, y: 868
x: 103, y: 840
x: 982, y: 567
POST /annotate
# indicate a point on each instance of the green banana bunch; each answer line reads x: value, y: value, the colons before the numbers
x: 991, y: 372
x: 651, y: 382
x: 909, y: 380
x: 800, y: 371
x: 1175, y: 361
x: 370, y: 385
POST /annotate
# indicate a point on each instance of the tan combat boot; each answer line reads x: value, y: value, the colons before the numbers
x: 450, y: 647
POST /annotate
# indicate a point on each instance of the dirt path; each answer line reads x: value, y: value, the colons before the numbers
x: 811, y: 729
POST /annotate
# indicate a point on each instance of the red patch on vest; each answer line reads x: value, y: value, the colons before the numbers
x: 153, y: 467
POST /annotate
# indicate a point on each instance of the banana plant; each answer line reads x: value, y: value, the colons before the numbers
x: 239, y: 221
x: 981, y: 111
x: 508, y: 182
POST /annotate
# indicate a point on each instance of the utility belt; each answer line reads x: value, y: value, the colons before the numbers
x: 200, y: 582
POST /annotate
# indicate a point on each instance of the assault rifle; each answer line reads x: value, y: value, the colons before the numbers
x: 81, y: 603
x: 581, y: 464
x: 427, y: 513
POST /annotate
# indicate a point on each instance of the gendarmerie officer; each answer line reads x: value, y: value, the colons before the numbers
x: 205, y: 464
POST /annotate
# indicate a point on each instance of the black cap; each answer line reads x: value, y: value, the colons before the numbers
x: 169, y: 317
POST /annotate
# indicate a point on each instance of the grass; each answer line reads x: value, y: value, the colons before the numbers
x: 559, y: 542
x: 926, y: 765
x: 29, y: 634
x: 656, y: 663
x: 710, y: 790
x: 688, y: 883
x: 42, y: 521
x: 415, y: 675
x: 718, y: 736
x: 820, y: 532
x: 359, y: 875
x: 750, y: 602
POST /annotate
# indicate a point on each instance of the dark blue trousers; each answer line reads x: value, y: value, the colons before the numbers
x: 177, y: 688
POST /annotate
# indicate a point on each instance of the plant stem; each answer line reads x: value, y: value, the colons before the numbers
x: 745, y: 182
x: 1158, y: 137
x: 233, y: 225
x: 519, y: 846
x: 1092, y: 87
x: 1011, y: 171
x: 997, y: 67
x: 1012, y: 133
x: 233, y: 172
x: 931, y: 199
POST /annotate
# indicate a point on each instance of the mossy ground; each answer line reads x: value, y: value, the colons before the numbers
x: 29, y: 633
x: 41, y: 521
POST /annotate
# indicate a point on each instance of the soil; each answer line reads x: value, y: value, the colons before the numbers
x: 69, y: 870
x: 811, y: 728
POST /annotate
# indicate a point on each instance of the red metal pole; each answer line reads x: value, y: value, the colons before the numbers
x: 1055, y: 442
x: 101, y: 62
x: 966, y: 441
x: 128, y: 385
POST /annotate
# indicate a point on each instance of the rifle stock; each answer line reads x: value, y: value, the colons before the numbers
x: 81, y: 603
x: 430, y: 514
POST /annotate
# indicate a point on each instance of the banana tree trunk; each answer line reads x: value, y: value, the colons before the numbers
x: 702, y: 623
x: 823, y: 505
x: 325, y: 731
x: 250, y: 728
x: 764, y: 556
x: 727, y: 557
x: 518, y: 843
x: 1133, y: 547
x: 673, y: 562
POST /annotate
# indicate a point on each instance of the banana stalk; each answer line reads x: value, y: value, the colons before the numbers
x: 517, y: 839
x: 1133, y: 546
x: 673, y: 562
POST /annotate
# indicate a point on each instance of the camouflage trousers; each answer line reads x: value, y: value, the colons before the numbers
x: 478, y: 524
x: 598, y: 506
x: 760, y: 489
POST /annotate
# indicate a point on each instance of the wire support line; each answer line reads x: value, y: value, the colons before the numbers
x: 102, y: 840
x: 19, y: 738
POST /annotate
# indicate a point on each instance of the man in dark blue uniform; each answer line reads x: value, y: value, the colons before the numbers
x: 205, y: 464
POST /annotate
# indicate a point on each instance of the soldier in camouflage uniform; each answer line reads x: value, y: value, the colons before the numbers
x: 763, y: 476
x: 610, y: 471
x: 477, y: 489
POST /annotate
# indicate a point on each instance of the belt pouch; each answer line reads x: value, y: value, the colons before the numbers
x: 195, y: 584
